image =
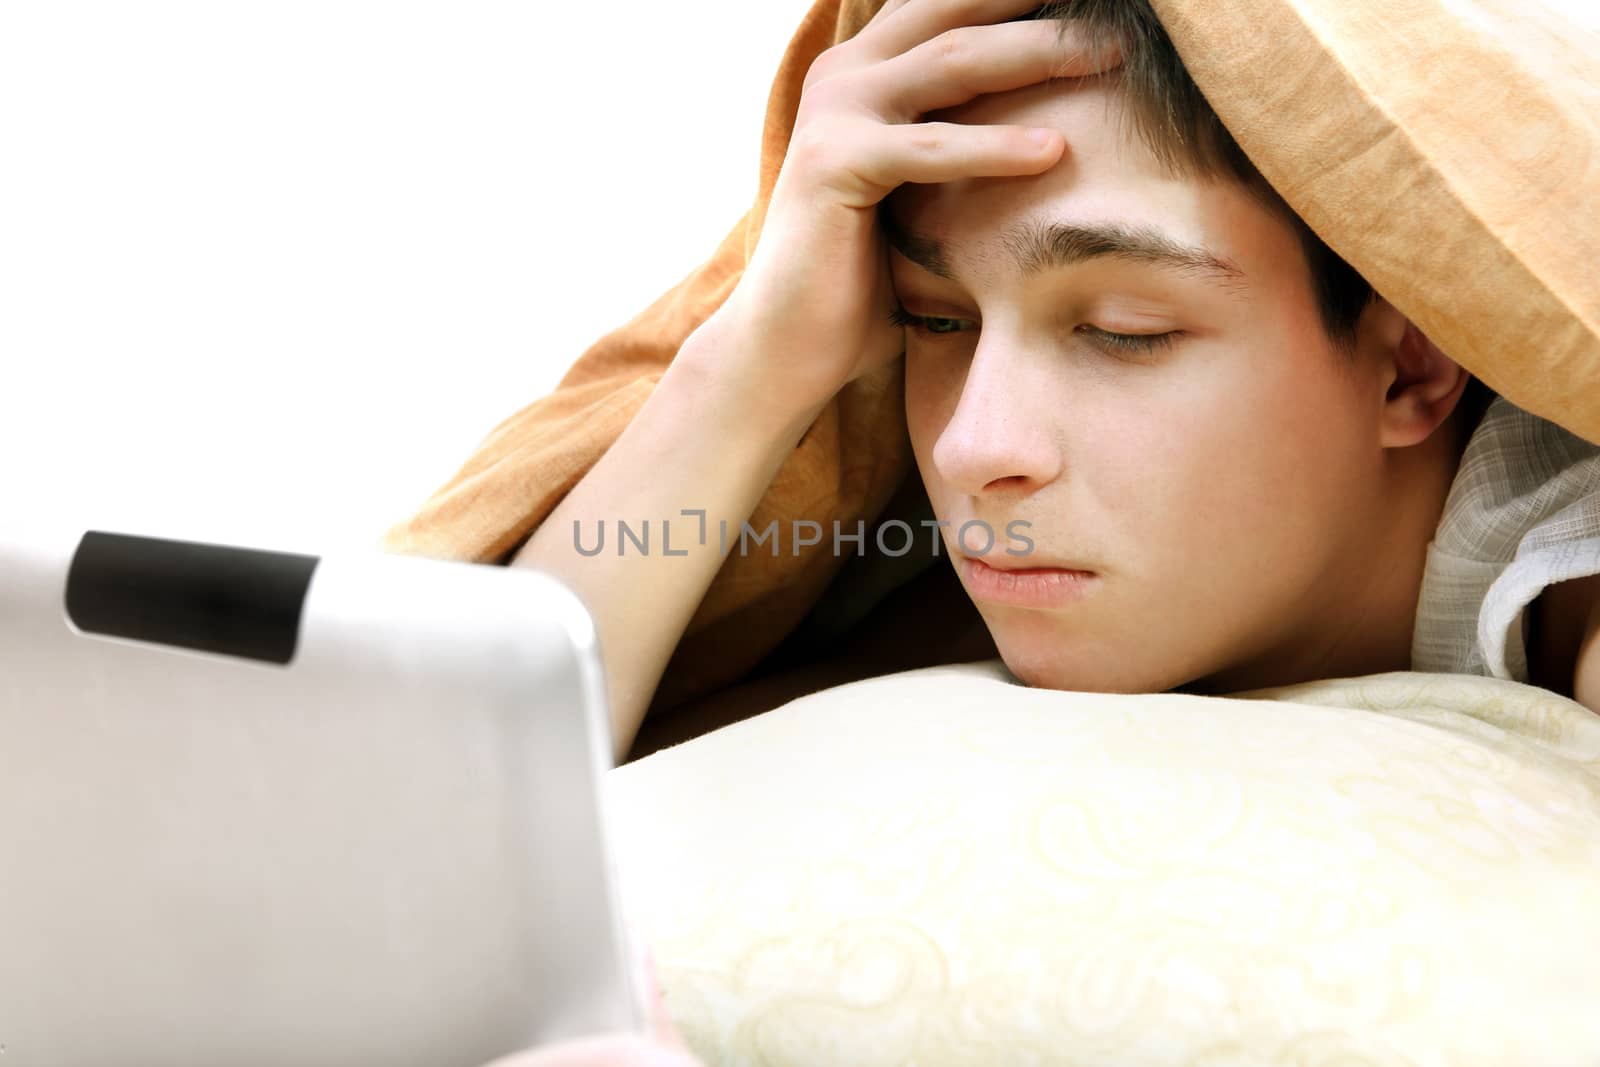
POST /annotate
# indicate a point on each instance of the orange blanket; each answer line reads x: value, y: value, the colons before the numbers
x: 847, y: 467
x: 1456, y: 165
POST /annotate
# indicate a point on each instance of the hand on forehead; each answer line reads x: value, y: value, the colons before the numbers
x: 1104, y: 162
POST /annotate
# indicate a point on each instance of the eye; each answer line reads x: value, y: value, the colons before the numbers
x: 931, y: 324
x: 1141, y: 343
x: 1119, y: 343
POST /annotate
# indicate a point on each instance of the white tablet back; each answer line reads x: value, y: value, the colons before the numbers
x: 364, y: 826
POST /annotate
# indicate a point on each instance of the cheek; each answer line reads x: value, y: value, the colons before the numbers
x: 932, y: 391
x: 1264, y: 464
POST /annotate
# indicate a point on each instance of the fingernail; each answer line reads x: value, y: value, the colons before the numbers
x: 1042, y: 137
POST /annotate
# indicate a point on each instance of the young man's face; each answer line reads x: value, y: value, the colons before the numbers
x: 1217, y: 486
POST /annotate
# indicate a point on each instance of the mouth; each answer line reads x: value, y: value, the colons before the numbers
x: 1040, y: 586
x: 1030, y: 562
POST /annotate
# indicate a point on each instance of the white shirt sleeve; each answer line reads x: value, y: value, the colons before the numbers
x: 1522, y: 513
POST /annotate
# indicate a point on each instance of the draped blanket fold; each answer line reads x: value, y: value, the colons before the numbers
x: 1456, y: 165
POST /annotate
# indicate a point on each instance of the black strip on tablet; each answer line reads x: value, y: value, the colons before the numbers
x: 212, y: 598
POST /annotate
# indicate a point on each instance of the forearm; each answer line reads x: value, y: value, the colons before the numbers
x: 706, y: 440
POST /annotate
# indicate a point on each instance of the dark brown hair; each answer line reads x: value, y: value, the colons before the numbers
x: 1172, y: 117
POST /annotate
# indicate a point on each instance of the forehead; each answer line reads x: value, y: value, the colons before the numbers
x: 1106, y: 174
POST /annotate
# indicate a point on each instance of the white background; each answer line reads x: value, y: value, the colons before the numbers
x: 270, y: 271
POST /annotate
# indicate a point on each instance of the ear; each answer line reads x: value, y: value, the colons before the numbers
x: 1420, y: 384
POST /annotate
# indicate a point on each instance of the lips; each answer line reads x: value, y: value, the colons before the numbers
x: 1000, y: 561
x: 1027, y: 587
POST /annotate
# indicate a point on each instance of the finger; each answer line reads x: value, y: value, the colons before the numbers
x: 933, y: 152
x: 662, y: 1026
x: 907, y: 23
x: 880, y: 16
x: 601, y: 1051
x: 975, y: 60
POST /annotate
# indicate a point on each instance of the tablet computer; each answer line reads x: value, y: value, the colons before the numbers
x: 261, y: 807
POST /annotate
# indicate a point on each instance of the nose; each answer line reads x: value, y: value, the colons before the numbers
x: 1001, y: 436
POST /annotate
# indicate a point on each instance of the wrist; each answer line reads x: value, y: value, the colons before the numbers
x: 725, y: 365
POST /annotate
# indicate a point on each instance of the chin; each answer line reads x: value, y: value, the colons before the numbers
x: 1037, y: 669
x: 1091, y: 669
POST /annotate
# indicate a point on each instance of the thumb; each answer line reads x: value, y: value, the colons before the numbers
x: 662, y: 1027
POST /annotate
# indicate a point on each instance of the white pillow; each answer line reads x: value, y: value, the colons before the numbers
x: 947, y: 867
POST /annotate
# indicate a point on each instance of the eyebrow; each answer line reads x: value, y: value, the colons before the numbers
x: 1035, y: 246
